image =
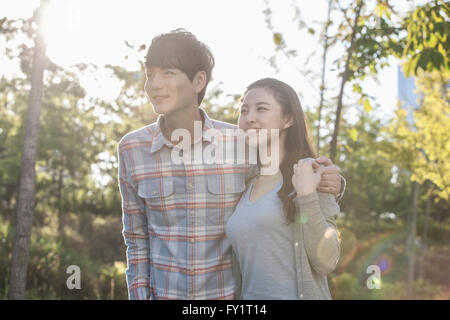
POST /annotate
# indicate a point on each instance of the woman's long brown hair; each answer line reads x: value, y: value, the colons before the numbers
x: 298, y: 143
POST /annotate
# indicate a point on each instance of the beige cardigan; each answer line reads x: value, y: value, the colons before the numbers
x: 317, y: 246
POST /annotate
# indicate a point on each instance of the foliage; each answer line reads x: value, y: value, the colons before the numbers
x: 77, y: 219
x: 428, y: 41
x: 424, y: 146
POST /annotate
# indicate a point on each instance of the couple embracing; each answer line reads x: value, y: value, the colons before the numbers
x: 224, y: 230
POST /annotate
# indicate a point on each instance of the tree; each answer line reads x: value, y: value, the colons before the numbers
x: 24, y: 213
x: 326, y: 45
x: 423, y: 147
x: 345, y: 77
x: 427, y: 44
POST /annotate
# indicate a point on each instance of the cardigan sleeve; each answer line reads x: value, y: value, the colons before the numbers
x: 317, y: 213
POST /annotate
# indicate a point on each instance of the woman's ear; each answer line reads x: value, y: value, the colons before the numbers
x: 288, y: 122
x: 199, y: 81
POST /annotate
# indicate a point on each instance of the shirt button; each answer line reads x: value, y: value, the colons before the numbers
x: 192, y: 240
x: 296, y: 244
x: 191, y: 297
x: 192, y: 212
x: 155, y: 192
x: 301, y: 296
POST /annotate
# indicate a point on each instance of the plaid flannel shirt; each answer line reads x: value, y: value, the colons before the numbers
x: 174, y: 217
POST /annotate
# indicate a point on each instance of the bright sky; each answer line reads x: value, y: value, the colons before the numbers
x: 235, y: 30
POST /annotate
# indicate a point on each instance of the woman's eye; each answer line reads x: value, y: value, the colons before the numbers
x: 261, y: 109
x: 170, y: 73
x: 243, y: 111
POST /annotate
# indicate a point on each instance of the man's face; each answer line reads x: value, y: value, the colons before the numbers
x: 169, y: 90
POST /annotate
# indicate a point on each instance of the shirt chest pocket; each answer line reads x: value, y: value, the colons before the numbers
x: 158, y: 194
x: 224, y: 192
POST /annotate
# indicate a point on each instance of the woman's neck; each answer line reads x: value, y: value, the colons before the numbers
x: 279, y: 153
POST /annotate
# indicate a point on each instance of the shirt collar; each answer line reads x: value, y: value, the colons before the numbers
x: 159, y: 140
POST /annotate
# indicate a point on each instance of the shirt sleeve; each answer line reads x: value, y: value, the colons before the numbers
x: 135, y: 234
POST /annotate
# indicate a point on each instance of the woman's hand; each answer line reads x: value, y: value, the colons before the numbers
x: 307, y: 176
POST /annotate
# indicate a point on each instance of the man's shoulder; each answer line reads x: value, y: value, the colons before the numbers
x: 223, y: 125
x: 139, y: 137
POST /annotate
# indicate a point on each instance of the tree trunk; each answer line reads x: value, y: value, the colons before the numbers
x: 412, y: 240
x: 20, y: 252
x: 61, y: 221
x: 345, y: 77
x: 322, y: 85
x: 425, y: 231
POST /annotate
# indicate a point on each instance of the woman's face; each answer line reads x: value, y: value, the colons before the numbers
x: 260, y: 110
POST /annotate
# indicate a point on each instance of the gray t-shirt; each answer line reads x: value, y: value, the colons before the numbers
x: 264, y: 246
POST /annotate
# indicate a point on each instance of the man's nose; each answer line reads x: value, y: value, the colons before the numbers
x: 155, y: 81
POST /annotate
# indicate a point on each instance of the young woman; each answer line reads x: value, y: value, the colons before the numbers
x: 283, y: 232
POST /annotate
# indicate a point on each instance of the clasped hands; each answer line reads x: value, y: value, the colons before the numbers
x: 316, y: 174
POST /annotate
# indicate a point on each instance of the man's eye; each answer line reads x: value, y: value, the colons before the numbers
x: 243, y: 111
x: 261, y: 109
x: 169, y: 72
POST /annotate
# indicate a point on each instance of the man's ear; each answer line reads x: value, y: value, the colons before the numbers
x: 199, y: 81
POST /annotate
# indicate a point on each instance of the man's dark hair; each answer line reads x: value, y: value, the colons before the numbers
x: 180, y: 49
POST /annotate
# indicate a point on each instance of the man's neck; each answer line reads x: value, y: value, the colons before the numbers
x: 180, y: 119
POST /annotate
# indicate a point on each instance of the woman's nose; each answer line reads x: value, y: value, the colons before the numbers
x: 251, y: 117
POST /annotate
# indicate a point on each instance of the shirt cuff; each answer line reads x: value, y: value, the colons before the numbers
x: 341, y: 192
x: 140, y: 293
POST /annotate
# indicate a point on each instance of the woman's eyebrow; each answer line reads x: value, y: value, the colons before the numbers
x: 260, y: 103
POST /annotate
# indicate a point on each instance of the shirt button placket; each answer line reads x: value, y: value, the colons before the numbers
x: 192, y: 242
x: 191, y: 269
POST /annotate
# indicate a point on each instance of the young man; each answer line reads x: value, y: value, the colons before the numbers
x: 174, y: 214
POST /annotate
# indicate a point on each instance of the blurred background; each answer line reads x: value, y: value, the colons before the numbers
x: 373, y: 79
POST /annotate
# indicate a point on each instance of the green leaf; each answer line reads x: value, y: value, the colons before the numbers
x: 353, y: 133
x: 437, y: 59
x: 349, y: 149
x: 278, y: 38
x: 367, y: 106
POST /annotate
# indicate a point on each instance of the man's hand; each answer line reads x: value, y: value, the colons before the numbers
x: 305, y: 179
x: 331, y: 181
